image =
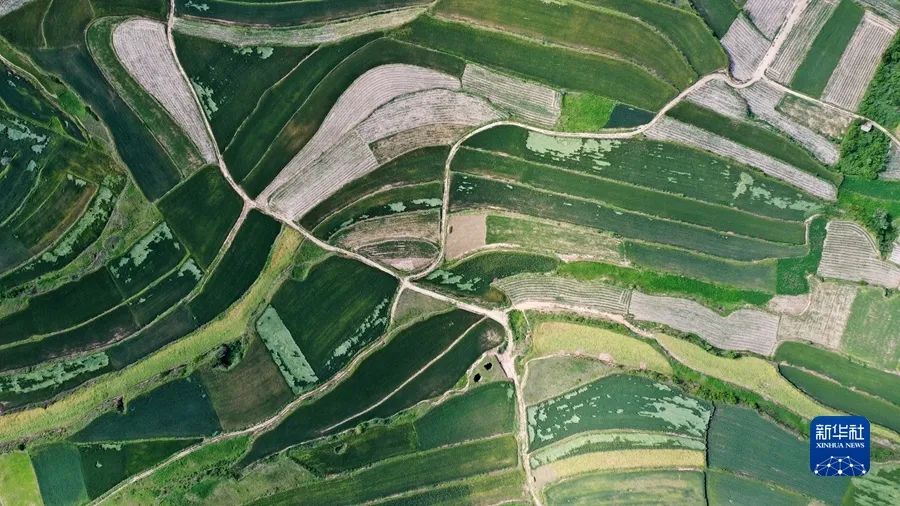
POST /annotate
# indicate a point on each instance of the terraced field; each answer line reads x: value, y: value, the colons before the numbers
x: 449, y: 252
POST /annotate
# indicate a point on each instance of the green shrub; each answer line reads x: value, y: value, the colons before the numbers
x: 882, y: 100
x: 863, y: 153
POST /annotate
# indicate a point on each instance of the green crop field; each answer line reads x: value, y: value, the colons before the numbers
x: 103, y: 466
x: 180, y: 408
x: 201, y: 212
x: 868, y: 336
x: 841, y: 369
x: 740, y: 440
x: 718, y: 14
x: 380, y: 374
x: 753, y: 136
x: 726, y: 488
x: 667, y: 167
x: 58, y: 470
x: 354, y: 321
x: 617, y: 402
x: 839, y: 397
x: 239, y: 267
x: 556, y: 67
x: 249, y: 391
x: 670, y: 487
x: 175, y: 329
x: 827, y: 48
x: 474, y: 275
x: 599, y: 31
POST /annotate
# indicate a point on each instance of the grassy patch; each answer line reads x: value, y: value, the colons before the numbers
x: 473, y: 276
x: 555, y: 337
x: 636, y: 487
x: 18, y: 483
x: 549, y: 377
x: 791, y: 273
x: 726, y: 488
x: 482, y: 412
x: 711, y: 294
x: 58, y: 470
x: 585, y: 112
x: 841, y: 369
x: 869, y: 335
x: 105, y: 465
x: 812, y: 75
x: 539, y: 235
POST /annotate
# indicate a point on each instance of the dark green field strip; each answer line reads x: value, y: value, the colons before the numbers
x: 485, y: 411
x: 407, y: 473
x: 164, y: 294
x: 417, y: 197
x: 628, y: 197
x: 685, y: 29
x: 151, y: 167
x: 58, y: 470
x: 238, y: 269
x: 619, y: 402
x: 375, y: 378
x: 103, y: 466
x: 882, y: 100
x: 469, y: 491
x: 812, y: 75
x: 726, y: 488
x: 81, y: 235
x: 332, y: 320
x: 66, y: 306
x: 473, y: 192
x: 718, y: 14
x: 237, y: 77
x: 248, y: 392
x: 156, y: 9
x: 557, y: 67
x: 741, y: 441
x: 758, y: 276
x: 791, y: 273
x: 277, y: 106
x: 474, y: 275
x: 65, y: 22
x: 666, y: 167
x: 154, y: 116
x: 480, y: 413
x: 180, y: 408
x: 878, y: 189
x: 419, y: 166
x: 287, y: 12
x: 755, y: 137
x: 650, y: 281
x: 600, y: 31
x: 151, y: 338
x: 635, y: 487
x: 440, y: 376
x: 45, y: 382
x: 20, y: 96
x: 201, y: 212
x: 150, y: 258
x: 839, y: 397
x: 106, y: 329
x: 352, y: 450
x: 309, y: 116
x: 23, y: 26
x: 841, y: 369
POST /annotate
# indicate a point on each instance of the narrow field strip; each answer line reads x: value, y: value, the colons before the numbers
x: 248, y: 35
x: 746, y: 46
x: 768, y: 15
x: 851, y: 254
x: 800, y: 39
x: 718, y: 96
x: 527, y: 290
x: 531, y: 102
x: 617, y: 460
